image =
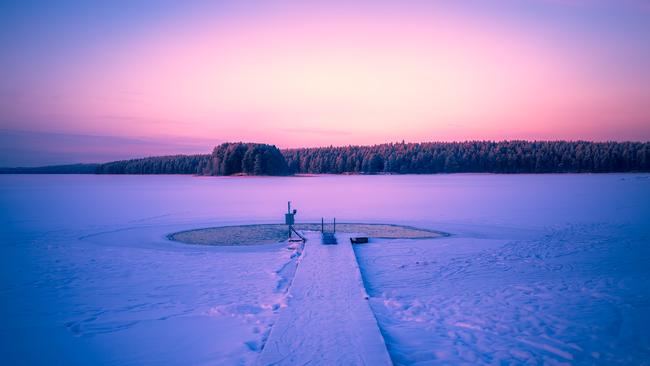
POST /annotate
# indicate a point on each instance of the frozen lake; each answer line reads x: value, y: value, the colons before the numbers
x: 539, y: 268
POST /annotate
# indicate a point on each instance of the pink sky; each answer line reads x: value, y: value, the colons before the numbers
x: 333, y: 74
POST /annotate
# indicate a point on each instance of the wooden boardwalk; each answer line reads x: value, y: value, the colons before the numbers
x: 328, y: 320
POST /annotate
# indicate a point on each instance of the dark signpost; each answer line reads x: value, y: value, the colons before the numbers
x: 290, y: 220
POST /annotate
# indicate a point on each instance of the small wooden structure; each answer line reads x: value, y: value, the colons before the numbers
x: 328, y: 238
x: 359, y: 240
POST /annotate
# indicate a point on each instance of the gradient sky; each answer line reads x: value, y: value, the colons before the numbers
x: 95, y: 81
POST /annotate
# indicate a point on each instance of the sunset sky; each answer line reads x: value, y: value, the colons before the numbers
x: 97, y: 81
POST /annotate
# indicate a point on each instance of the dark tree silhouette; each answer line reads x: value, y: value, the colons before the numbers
x: 226, y: 159
x: 394, y: 158
x: 245, y: 158
x: 474, y: 156
x: 176, y: 164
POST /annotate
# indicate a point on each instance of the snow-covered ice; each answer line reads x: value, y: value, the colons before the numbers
x: 539, y: 268
x: 88, y: 277
x: 557, y: 278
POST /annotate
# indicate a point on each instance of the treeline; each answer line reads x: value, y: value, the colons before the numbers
x: 473, y: 157
x: 394, y: 158
x: 54, y: 169
x: 173, y: 164
x: 226, y: 159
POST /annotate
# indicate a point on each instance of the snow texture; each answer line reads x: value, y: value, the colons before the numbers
x: 539, y: 268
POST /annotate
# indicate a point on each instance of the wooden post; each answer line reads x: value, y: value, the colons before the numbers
x: 289, y: 212
x: 335, y: 225
x: 322, y: 225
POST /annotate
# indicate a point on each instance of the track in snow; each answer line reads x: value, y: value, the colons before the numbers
x: 328, y: 319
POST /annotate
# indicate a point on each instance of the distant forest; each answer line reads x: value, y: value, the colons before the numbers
x: 226, y: 159
x: 474, y: 157
x: 393, y: 158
